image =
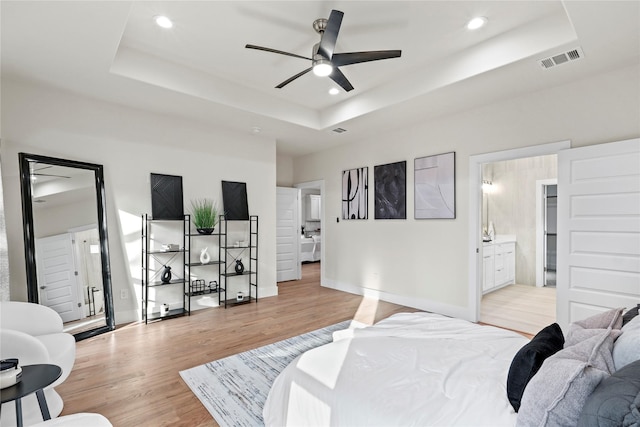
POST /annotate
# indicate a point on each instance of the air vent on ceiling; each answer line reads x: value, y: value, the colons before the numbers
x: 339, y: 130
x: 562, y: 58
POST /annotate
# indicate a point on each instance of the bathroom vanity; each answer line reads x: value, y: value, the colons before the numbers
x: 498, y: 263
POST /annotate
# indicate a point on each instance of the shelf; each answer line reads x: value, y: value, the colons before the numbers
x: 172, y: 313
x: 204, y: 235
x: 204, y: 292
x: 234, y: 301
x: 199, y: 264
x: 244, y: 273
x: 157, y: 259
x: 171, y: 282
x: 238, y: 247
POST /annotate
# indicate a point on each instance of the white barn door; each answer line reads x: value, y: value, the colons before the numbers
x: 288, y: 234
x: 598, y: 229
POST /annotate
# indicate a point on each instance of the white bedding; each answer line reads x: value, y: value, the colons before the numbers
x: 416, y: 369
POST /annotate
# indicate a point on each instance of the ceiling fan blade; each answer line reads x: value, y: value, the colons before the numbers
x: 55, y: 176
x: 267, y: 49
x: 340, y: 59
x: 290, y: 79
x: 337, y: 76
x: 330, y: 35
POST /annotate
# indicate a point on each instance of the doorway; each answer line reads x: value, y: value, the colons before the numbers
x: 525, y: 242
x: 312, y: 218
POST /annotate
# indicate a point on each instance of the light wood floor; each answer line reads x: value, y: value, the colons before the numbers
x: 519, y: 307
x: 131, y: 375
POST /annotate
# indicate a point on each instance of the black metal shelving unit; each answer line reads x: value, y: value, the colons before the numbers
x: 151, y: 251
x: 228, y: 254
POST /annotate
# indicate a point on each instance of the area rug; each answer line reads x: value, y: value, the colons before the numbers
x: 235, y: 388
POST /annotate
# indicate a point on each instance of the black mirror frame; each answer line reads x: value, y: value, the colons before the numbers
x: 29, y: 238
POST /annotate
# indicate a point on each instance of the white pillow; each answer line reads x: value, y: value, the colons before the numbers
x: 626, y: 348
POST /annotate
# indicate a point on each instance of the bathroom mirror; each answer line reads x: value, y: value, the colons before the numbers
x: 65, y: 239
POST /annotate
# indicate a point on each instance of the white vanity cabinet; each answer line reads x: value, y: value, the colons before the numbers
x: 498, y: 264
x: 313, y: 207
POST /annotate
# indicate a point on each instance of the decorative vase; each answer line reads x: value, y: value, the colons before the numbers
x: 204, y: 256
x: 205, y: 230
x: 239, y: 266
x: 240, y: 296
x: 166, y: 274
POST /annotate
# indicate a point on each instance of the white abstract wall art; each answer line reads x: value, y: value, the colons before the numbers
x: 355, y: 193
x: 434, y: 186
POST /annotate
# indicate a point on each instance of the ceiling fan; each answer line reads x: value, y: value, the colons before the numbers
x: 324, y: 62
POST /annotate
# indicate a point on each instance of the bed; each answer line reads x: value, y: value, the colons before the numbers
x: 417, y: 369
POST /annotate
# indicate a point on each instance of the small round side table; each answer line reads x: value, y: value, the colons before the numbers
x: 34, y: 379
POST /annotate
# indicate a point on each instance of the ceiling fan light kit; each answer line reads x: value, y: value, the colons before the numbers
x: 323, y: 60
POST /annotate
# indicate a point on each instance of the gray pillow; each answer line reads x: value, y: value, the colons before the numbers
x: 556, y: 394
x: 608, y: 319
x: 626, y: 349
x: 633, y: 312
x: 580, y: 330
x: 616, y: 400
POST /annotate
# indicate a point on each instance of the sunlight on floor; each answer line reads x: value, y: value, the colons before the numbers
x: 367, y: 310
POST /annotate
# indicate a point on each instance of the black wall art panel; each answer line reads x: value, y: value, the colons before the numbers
x: 355, y: 193
x: 390, y: 190
x: 234, y: 197
x: 166, y: 196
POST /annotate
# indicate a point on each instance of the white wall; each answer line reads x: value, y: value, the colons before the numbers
x: 130, y: 144
x: 424, y: 263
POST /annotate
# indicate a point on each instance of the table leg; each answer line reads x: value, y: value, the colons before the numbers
x: 19, y: 412
x: 42, y: 401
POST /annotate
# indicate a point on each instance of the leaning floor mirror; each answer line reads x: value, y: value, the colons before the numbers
x: 66, y: 244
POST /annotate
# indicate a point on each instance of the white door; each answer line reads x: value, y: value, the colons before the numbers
x: 57, y: 275
x: 288, y: 234
x: 598, y: 229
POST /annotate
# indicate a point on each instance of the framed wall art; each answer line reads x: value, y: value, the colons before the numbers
x: 234, y: 198
x: 166, y: 196
x: 355, y: 193
x: 434, y: 186
x: 390, y: 190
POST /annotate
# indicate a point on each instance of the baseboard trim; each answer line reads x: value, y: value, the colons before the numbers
x: 414, y: 302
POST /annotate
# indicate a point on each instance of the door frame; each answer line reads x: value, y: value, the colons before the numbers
x: 475, y: 211
x: 323, y: 246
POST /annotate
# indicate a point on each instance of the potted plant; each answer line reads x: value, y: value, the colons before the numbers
x: 205, y: 215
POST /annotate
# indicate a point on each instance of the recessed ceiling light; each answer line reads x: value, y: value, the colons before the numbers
x: 477, y: 22
x: 256, y: 129
x: 334, y: 91
x: 163, y: 21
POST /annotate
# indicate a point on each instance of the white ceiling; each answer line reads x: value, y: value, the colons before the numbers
x: 200, y: 69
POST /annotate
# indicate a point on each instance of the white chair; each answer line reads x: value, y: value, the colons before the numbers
x: 33, y: 334
x: 76, y: 420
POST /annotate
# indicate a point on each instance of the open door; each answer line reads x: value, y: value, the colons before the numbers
x: 288, y: 234
x: 598, y: 229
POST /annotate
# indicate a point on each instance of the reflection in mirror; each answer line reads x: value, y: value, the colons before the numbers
x: 66, y: 244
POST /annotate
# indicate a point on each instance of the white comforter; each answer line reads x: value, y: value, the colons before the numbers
x: 412, y: 369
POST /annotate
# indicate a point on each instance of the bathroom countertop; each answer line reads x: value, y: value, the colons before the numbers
x: 501, y: 238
